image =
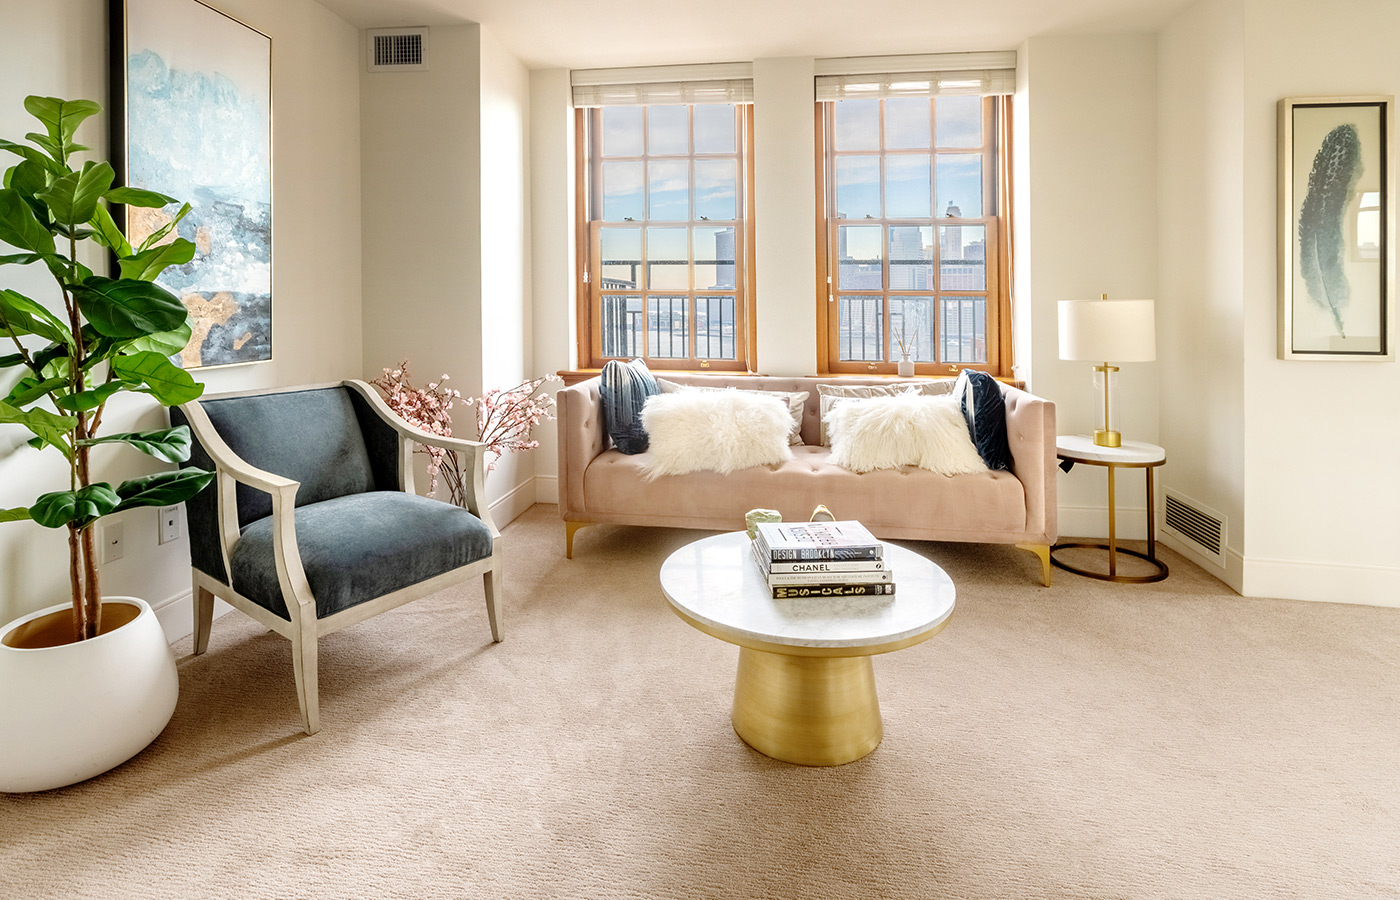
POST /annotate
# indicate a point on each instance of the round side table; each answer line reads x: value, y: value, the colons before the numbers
x: 1080, y: 448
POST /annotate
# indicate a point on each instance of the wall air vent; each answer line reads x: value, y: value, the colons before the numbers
x: 1200, y: 526
x: 398, y: 49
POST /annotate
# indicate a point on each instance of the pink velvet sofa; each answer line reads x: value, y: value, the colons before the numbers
x: 598, y: 484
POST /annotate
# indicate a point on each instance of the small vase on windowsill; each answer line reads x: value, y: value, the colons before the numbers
x: 905, y: 368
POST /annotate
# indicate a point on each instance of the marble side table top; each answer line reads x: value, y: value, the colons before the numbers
x: 716, y: 584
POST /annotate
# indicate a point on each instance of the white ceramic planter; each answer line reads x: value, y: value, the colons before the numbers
x: 71, y: 712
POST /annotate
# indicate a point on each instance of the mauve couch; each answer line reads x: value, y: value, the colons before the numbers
x: 598, y: 484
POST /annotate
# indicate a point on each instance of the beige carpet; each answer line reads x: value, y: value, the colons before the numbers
x: 1086, y: 741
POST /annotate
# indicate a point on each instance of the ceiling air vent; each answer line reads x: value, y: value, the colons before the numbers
x: 1201, y: 526
x: 398, y: 49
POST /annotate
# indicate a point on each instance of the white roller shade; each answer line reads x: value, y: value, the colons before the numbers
x: 720, y: 83
x: 979, y: 74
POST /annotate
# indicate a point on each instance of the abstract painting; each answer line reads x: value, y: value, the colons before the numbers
x: 1336, y: 227
x: 192, y: 108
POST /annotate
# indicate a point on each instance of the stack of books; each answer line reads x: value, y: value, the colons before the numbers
x: 821, y: 559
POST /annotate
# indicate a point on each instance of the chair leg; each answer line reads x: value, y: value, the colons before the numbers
x: 1043, y: 552
x: 304, y: 666
x: 492, y: 580
x: 570, y: 529
x: 203, y: 617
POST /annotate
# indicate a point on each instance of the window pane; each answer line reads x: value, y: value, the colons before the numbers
x: 668, y: 130
x: 714, y: 128
x: 907, y: 194
x: 620, y: 324
x: 714, y: 258
x: 960, y: 185
x: 964, y: 329
x: 858, y: 250
x: 857, y: 124
x: 959, y: 122
x: 714, y: 328
x: 857, y: 187
x: 621, y: 250
x: 622, y: 131
x: 962, y: 251
x: 622, y: 191
x: 668, y: 321
x: 906, y: 123
x: 669, y: 190
x: 716, y: 188
x: 911, y: 320
x: 911, y: 258
x: 861, y: 335
x: 668, y: 259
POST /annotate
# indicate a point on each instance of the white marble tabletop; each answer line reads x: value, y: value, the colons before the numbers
x: 716, y: 581
x: 1081, y: 448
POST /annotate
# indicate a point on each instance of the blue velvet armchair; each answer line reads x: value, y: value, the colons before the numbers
x: 312, y: 524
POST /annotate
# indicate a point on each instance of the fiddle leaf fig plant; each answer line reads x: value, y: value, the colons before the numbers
x: 113, y: 336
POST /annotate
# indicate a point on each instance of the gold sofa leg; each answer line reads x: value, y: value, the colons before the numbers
x: 570, y: 529
x: 1042, y: 551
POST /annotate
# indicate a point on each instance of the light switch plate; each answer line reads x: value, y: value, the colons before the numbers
x: 113, y: 541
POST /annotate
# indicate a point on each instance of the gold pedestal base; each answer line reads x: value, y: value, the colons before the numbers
x: 1103, y: 438
x: 808, y: 710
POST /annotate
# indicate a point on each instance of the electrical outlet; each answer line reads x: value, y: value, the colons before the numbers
x: 113, y: 542
x: 169, y: 524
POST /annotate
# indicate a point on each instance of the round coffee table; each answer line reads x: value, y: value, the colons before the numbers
x: 805, y: 688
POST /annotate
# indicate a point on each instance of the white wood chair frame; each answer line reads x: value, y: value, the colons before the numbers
x: 302, y: 627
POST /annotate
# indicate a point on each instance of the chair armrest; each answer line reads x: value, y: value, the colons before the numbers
x: 1030, y: 431
x: 473, y: 453
x: 582, y: 437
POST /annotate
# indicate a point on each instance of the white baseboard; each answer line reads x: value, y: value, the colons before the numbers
x: 176, y: 615
x: 546, y: 488
x: 1130, y: 522
x: 514, y: 502
x: 1230, y: 571
x: 1323, y: 582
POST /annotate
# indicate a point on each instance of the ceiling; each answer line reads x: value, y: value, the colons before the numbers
x: 603, y: 33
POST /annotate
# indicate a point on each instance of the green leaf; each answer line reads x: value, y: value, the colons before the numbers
x: 20, y: 259
x: 10, y: 360
x: 18, y: 514
x: 165, y: 381
x: 106, y: 232
x: 170, y: 444
x: 148, y: 264
x: 19, y: 227
x: 20, y: 315
x: 159, y: 234
x: 167, y: 343
x: 32, y: 155
x: 163, y: 488
x: 128, y: 309
x: 28, y: 389
x: 79, y: 507
x: 61, y: 117
x: 47, y: 144
x: 137, y: 197
x: 73, y: 198
x: 46, y: 427
x: 90, y: 399
x: 30, y: 178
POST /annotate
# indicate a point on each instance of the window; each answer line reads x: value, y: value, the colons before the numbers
x: 912, y: 239
x: 666, y: 235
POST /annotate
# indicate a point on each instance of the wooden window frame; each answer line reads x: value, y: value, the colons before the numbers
x: 588, y: 162
x: 995, y: 211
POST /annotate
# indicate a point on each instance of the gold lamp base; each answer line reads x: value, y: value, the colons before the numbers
x: 1105, y: 438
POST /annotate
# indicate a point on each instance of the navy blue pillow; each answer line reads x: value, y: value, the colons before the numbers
x: 625, y: 389
x: 985, y: 412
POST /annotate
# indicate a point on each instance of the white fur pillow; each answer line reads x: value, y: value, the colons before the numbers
x: 904, y: 430
x: 721, y: 431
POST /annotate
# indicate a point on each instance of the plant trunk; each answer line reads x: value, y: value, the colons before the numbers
x: 75, y: 577
x: 92, y: 591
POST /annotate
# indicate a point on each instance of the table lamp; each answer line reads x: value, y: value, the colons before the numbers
x: 1107, y: 330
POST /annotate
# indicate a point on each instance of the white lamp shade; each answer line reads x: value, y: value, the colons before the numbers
x: 1108, y: 330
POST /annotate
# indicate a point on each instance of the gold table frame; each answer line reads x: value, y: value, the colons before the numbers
x: 1069, y: 460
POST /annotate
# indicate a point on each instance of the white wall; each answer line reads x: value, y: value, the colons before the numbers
x: 1201, y: 285
x: 1321, y: 438
x: 1087, y: 224
x: 59, y: 49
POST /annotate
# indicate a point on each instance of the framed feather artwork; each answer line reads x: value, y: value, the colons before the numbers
x: 1336, y: 240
